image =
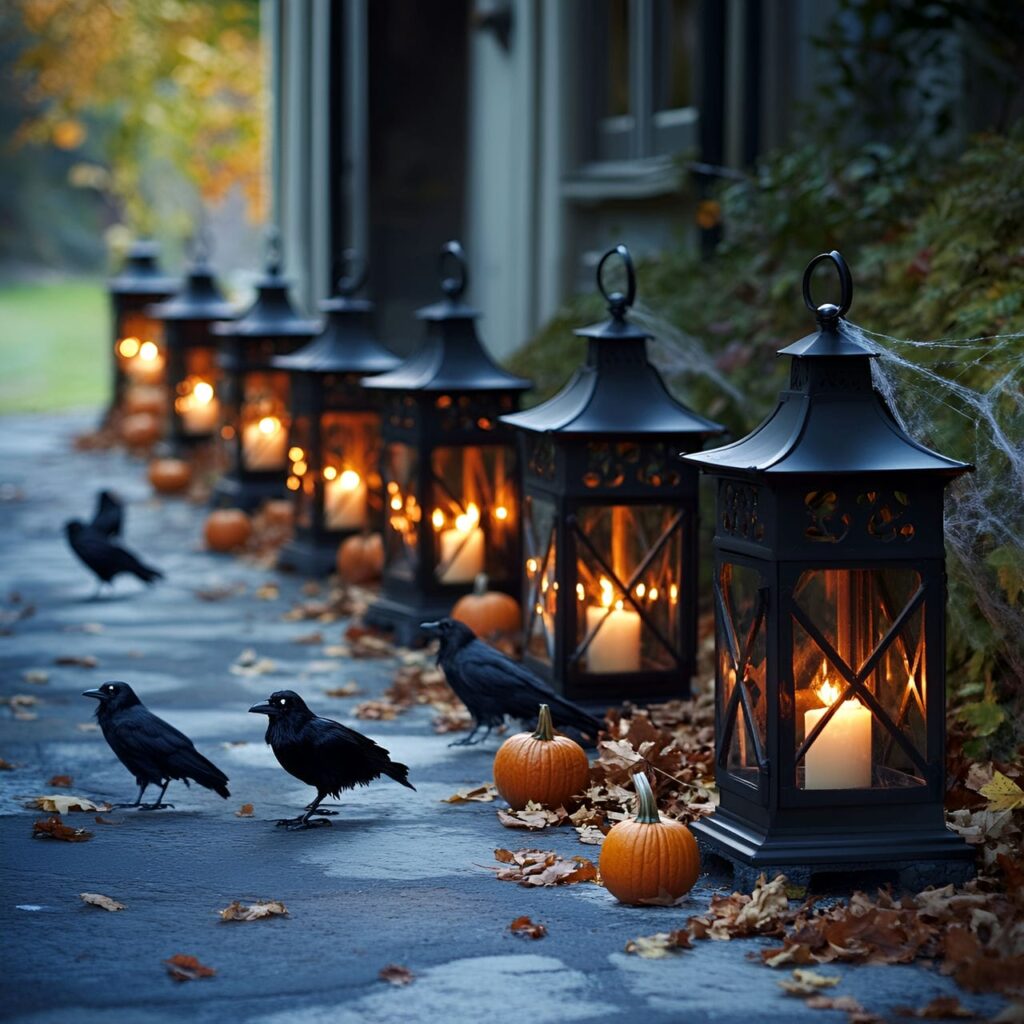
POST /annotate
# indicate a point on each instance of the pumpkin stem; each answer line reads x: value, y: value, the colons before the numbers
x: 480, y: 584
x: 646, y: 805
x: 545, y: 729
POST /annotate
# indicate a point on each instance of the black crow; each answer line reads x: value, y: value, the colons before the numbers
x: 153, y: 751
x: 492, y: 685
x: 103, y: 556
x: 323, y: 754
x: 109, y: 515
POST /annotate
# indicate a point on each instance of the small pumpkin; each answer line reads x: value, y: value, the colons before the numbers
x: 488, y: 612
x: 540, y: 766
x: 361, y: 558
x: 140, y: 430
x: 227, y: 529
x: 647, y: 859
x: 169, y: 476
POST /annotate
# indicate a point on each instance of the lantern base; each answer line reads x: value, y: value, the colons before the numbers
x: 309, y: 557
x: 247, y: 494
x: 913, y: 859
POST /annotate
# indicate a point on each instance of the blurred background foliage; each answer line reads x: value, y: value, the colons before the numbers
x: 933, y: 229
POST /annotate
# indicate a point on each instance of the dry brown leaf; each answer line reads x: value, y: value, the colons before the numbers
x: 77, y: 660
x: 219, y: 592
x: 805, y: 982
x: 847, y: 1003
x: 940, y: 1008
x: 268, y: 592
x: 249, y: 663
x: 543, y: 868
x: 590, y: 834
x: 349, y: 689
x: 54, y: 828
x: 527, y: 929
x: 187, y: 968
x: 533, y: 817
x: 19, y: 703
x: 95, y: 899
x: 6, y: 766
x: 100, y: 820
x: 376, y: 710
x: 58, y: 803
x: 482, y: 794
x: 764, y: 912
x: 659, y: 945
x: 36, y: 676
x: 245, y: 811
x: 309, y: 639
x: 61, y: 781
x: 396, y: 974
x: 254, y: 912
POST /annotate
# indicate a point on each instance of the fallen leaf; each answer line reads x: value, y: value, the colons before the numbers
x: 245, y: 811
x: 805, y: 982
x: 219, y: 592
x: 659, y: 945
x: 543, y: 868
x: 100, y: 820
x: 527, y: 929
x: 36, y: 675
x: 187, y: 968
x: 6, y: 766
x: 847, y: 1003
x: 249, y: 663
x: 590, y: 834
x: 1002, y: 793
x: 349, y: 689
x: 63, y: 781
x: 940, y: 1008
x: 483, y: 794
x: 533, y: 817
x: 309, y: 639
x: 268, y: 592
x: 57, y: 803
x: 396, y: 974
x: 18, y: 703
x: 54, y: 828
x: 95, y: 899
x: 254, y: 912
x: 77, y: 660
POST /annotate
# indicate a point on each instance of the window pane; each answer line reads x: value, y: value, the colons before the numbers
x: 675, y: 29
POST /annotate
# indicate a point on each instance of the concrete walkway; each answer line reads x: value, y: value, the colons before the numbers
x: 400, y: 877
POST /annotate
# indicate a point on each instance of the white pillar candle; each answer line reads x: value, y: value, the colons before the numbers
x: 345, y: 501
x: 462, y: 548
x: 615, y: 646
x: 264, y: 443
x: 840, y: 756
x: 199, y: 409
x: 147, y: 365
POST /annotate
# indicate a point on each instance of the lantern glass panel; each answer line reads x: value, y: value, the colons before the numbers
x: 859, y: 677
x: 301, y: 479
x: 195, y: 399
x: 742, y: 681
x: 541, y: 540
x: 404, y: 513
x: 264, y: 420
x: 139, y: 348
x: 627, y: 587
x: 472, y: 511
x: 352, y: 485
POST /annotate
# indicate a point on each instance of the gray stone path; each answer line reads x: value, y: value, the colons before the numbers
x: 399, y: 878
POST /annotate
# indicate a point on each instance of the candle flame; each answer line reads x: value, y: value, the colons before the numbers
x: 269, y: 425
x: 349, y: 480
x: 148, y: 351
x: 129, y: 347
x: 640, y: 590
x: 203, y: 392
x: 827, y: 691
x: 673, y: 593
x: 607, y: 594
x: 580, y: 592
x: 396, y: 503
x: 653, y: 594
x: 501, y: 513
x: 468, y: 520
x: 437, y: 518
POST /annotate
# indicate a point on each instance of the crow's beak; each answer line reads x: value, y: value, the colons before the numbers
x: 266, y: 708
x: 96, y: 694
x: 431, y: 628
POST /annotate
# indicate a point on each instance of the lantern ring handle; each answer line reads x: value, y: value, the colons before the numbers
x: 845, y: 283
x: 453, y: 286
x: 617, y: 302
x: 354, y: 270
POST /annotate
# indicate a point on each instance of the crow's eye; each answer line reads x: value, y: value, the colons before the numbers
x: 283, y: 702
x: 110, y: 689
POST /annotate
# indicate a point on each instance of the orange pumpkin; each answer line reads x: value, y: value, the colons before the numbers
x: 168, y: 476
x: 540, y: 766
x: 140, y: 430
x: 227, y: 529
x: 648, y: 860
x: 361, y: 558
x: 488, y: 612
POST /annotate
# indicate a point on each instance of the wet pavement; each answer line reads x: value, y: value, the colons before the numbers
x: 400, y: 877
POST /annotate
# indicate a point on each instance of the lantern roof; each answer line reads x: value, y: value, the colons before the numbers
x: 198, y: 298
x: 831, y: 419
x: 451, y: 357
x: 348, y: 343
x: 617, y: 390
x: 140, y: 274
x: 272, y: 313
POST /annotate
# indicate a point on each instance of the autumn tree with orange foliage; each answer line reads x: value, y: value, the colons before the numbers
x: 157, y: 80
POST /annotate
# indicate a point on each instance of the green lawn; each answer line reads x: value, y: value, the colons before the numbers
x: 53, y: 346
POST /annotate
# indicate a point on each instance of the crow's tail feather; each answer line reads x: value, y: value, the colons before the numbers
x: 194, y: 766
x: 146, y: 573
x: 564, y: 712
x: 398, y: 772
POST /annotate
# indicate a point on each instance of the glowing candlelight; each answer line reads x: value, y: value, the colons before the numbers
x: 344, y: 499
x: 462, y: 548
x: 840, y: 757
x: 145, y: 364
x: 199, y: 409
x: 615, y: 646
x: 264, y: 443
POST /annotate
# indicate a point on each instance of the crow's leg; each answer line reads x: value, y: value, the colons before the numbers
x: 303, y: 822
x: 159, y: 805
x: 467, y: 741
x: 311, y: 806
x: 138, y: 799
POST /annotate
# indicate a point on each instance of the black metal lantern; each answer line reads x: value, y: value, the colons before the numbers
x: 192, y: 370
x: 610, y: 521
x: 253, y: 393
x: 137, y: 349
x: 334, y: 441
x: 449, y: 466
x: 830, y: 597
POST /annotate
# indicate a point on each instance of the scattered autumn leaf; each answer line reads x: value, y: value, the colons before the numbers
x: 58, y: 803
x: 254, y: 912
x: 95, y: 899
x: 766, y: 911
x: 1002, y: 793
x: 349, y: 689
x: 396, y: 974
x: 100, y: 820
x: 249, y: 663
x: 805, y: 982
x: 219, y: 592
x: 482, y: 794
x: 527, y: 929
x: 77, y: 660
x: 62, y: 781
x: 19, y: 704
x: 590, y: 834
x: 309, y: 639
x: 659, y: 945
x: 268, y: 592
x: 846, y: 1003
x: 533, y: 817
x: 245, y: 811
x: 542, y: 868
x: 54, y: 828
x: 187, y: 968
x: 38, y: 676
x: 6, y: 766
x: 940, y: 1008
